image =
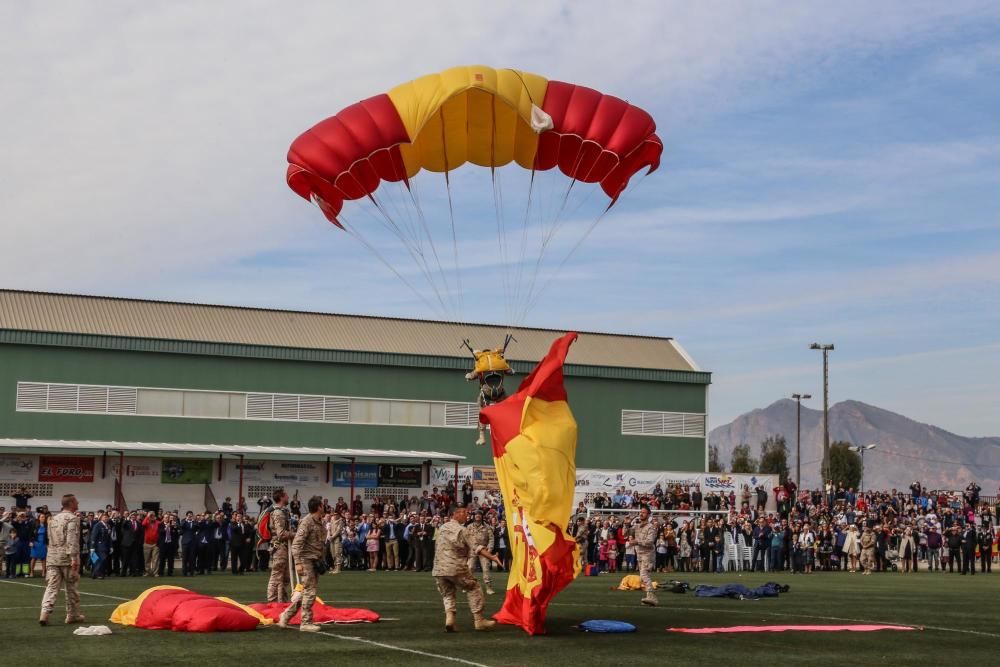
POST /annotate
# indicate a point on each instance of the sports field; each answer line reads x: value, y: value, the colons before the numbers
x: 958, y: 615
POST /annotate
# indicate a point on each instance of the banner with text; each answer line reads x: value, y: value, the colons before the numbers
x: 186, y: 471
x: 66, y: 469
x: 406, y: 476
x: 365, y: 475
x: 15, y: 468
x: 484, y: 478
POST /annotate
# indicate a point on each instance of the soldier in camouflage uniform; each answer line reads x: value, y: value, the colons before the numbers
x: 482, y: 536
x: 335, y: 534
x: 645, y: 543
x: 308, y: 547
x: 63, y: 562
x: 281, y: 536
x: 453, y: 548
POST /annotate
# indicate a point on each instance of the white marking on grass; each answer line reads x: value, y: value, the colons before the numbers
x: 97, y: 595
x: 35, y: 606
x: 401, y: 648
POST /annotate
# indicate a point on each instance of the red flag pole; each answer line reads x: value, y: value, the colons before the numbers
x: 239, y: 496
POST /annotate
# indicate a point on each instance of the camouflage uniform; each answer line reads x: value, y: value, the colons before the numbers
x: 281, y: 535
x: 64, y: 549
x: 309, y: 545
x: 453, y: 547
x: 480, y: 535
x: 645, y: 542
x: 336, y: 543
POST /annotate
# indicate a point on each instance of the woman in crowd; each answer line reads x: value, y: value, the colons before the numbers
x: 372, y: 541
x: 671, y: 538
x: 661, y: 550
x: 908, y: 550
x: 824, y: 547
x: 39, y: 544
x: 852, y: 548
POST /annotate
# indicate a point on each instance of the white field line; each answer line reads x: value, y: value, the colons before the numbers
x: 96, y: 595
x: 392, y: 647
x: 103, y: 604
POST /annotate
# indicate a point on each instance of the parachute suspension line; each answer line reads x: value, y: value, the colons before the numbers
x: 371, y: 248
x: 415, y: 198
x: 415, y: 254
x: 519, y: 278
x: 580, y: 241
x: 451, y: 216
x: 501, y: 230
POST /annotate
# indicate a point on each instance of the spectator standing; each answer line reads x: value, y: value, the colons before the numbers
x: 100, y: 545
x: 39, y: 543
x: 150, y: 550
x: 167, y: 542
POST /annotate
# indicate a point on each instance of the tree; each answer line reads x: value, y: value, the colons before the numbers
x: 714, y: 465
x: 774, y: 457
x: 742, y: 461
x: 845, y: 465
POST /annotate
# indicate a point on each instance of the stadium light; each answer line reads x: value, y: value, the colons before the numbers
x: 862, y: 450
x: 798, y: 437
x: 825, y: 348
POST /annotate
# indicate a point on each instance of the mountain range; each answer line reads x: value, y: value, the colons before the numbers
x: 906, y: 450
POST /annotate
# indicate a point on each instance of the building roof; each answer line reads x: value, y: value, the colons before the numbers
x: 23, y: 446
x: 200, y: 323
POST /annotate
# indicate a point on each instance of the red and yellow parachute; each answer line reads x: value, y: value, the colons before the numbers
x: 489, y: 117
x: 552, y: 135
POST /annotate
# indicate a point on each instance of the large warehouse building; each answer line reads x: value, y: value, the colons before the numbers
x: 163, y: 394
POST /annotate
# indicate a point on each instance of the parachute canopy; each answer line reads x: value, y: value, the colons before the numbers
x: 474, y: 114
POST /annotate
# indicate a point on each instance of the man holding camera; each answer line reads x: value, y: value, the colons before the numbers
x: 308, y: 554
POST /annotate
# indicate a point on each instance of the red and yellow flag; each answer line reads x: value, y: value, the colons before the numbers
x: 534, y: 450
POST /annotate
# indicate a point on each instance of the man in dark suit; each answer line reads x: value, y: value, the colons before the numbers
x: 203, y: 535
x: 167, y: 543
x: 240, y: 537
x: 189, y: 547
x: 114, y: 565
x: 100, y: 543
x: 425, y: 545
x: 131, y: 546
x: 969, y: 542
x: 761, y: 543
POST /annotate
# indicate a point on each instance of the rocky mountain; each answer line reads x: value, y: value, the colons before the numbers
x: 907, y: 449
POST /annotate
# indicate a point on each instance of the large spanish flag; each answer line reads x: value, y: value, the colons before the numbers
x: 534, y: 449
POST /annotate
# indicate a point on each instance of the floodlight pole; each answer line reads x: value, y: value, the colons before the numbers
x: 798, y: 437
x: 825, y: 348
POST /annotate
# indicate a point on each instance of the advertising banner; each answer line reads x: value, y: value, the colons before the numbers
x: 186, y: 471
x: 253, y: 471
x: 484, y: 478
x: 441, y: 475
x: 78, y: 469
x: 365, y: 475
x: 297, y: 472
x: 408, y: 476
x: 148, y: 471
x: 595, y: 481
x: 15, y: 468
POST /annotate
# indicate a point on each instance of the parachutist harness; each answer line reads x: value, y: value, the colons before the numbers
x: 490, y: 368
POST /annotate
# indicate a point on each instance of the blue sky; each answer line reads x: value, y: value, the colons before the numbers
x: 830, y: 174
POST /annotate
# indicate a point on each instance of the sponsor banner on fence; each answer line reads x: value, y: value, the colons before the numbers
x: 15, y: 468
x: 186, y: 471
x: 253, y: 471
x: 441, y: 475
x: 298, y: 472
x: 66, y: 469
x: 595, y: 481
x: 365, y: 475
x: 145, y: 470
x: 484, y: 478
x: 408, y: 476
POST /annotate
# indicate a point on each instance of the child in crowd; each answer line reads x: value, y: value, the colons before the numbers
x: 602, y: 556
x: 630, y: 559
x: 612, y: 546
x: 10, y: 553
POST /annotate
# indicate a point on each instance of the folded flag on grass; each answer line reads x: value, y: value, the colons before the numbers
x: 178, y: 609
x: 534, y: 449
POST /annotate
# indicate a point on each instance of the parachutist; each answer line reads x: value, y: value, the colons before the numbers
x: 490, y: 368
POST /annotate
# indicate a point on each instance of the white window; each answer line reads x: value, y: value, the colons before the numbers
x: 677, y: 424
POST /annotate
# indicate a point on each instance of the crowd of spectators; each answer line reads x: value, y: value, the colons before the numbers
x: 833, y: 528
x: 381, y: 533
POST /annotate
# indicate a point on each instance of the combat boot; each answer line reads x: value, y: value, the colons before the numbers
x: 79, y: 618
x: 449, y: 621
x: 283, y: 620
x: 650, y: 599
x: 489, y: 590
x: 483, y: 623
x: 43, y: 620
x: 309, y: 627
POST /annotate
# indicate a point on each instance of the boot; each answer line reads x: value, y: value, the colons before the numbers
x: 482, y: 439
x: 449, y: 621
x: 283, y: 620
x: 309, y: 627
x: 489, y: 589
x: 79, y: 618
x: 43, y: 620
x: 483, y: 623
x: 650, y: 599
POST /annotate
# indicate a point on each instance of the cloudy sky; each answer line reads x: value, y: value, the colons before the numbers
x: 831, y: 173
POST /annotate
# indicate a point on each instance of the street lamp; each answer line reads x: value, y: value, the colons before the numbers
x: 798, y: 437
x: 825, y: 348
x: 862, y: 450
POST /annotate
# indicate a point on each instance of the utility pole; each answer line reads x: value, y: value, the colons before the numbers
x: 825, y: 348
x: 798, y: 437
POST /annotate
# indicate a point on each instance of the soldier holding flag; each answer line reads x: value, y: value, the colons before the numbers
x: 454, y: 547
x: 645, y: 541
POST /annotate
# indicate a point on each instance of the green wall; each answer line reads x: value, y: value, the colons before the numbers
x: 597, y: 404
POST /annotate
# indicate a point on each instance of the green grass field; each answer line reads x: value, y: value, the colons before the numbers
x: 958, y: 615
